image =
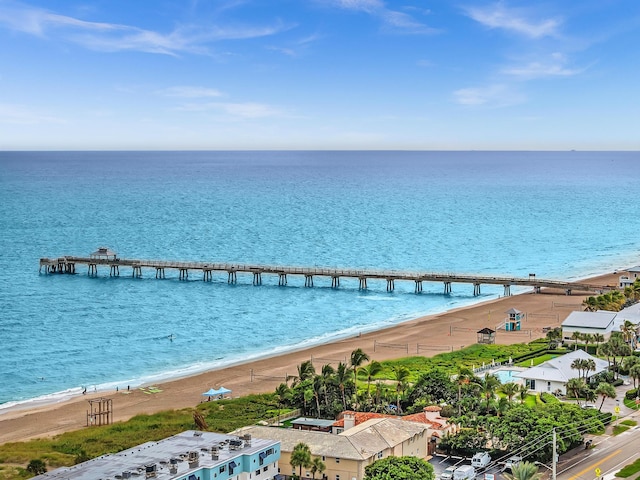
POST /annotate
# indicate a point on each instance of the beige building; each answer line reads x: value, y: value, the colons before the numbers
x: 347, y: 454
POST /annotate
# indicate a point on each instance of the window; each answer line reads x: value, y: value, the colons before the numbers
x: 223, y: 468
x: 265, y: 468
x: 379, y: 454
x: 338, y: 461
x: 324, y: 459
x: 337, y: 477
x: 257, y: 472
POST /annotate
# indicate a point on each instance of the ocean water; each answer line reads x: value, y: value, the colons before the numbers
x: 561, y: 215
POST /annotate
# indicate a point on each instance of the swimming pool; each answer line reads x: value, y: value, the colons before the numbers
x: 506, y: 376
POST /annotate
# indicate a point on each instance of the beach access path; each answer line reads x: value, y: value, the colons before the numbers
x: 428, y: 335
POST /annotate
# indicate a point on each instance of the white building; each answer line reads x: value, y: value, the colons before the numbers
x: 553, y: 375
x: 191, y: 455
x: 633, y: 274
x: 588, y: 322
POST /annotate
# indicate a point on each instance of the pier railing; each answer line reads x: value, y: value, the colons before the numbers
x: 67, y: 264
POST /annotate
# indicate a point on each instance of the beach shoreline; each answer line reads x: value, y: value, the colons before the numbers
x: 446, y: 331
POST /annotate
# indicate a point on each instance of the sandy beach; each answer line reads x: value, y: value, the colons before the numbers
x: 425, y: 336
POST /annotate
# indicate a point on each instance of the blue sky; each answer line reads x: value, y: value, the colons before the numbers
x: 320, y: 74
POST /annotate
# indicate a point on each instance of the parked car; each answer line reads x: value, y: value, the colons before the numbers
x: 480, y: 460
x: 464, y: 472
x: 448, y: 473
x: 512, y: 462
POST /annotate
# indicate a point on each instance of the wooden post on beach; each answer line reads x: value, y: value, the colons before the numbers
x: 100, y: 412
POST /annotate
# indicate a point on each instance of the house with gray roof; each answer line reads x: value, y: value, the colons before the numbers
x: 553, y: 375
x: 348, y: 453
x: 588, y: 322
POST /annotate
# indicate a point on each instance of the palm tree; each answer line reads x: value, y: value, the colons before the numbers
x: 342, y: 377
x: 400, y: 375
x: 284, y: 393
x: 634, y: 372
x: 606, y: 351
x: 576, y: 385
x: 590, y: 304
x: 588, y: 338
x: 358, y: 357
x: 523, y: 391
x: 371, y: 370
x: 317, y: 466
x: 510, y: 389
x: 301, y: 457
x: 327, y: 374
x: 576, y: 336
x: 618, y: 349
x: 598, y: 338
x: 489, y: 385
x: 629, y: 333
x: 523, y: 471
x: 579, y: 365
x: 606, y: 390
x: 318, y: 385
x: 464, y: 376
x: 306, y: 370
x: 589, y: 366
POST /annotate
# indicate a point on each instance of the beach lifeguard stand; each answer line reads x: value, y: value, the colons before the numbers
x: 486, y: 335
x: 513, y: 322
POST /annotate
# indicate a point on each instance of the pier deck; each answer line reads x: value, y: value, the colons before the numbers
x: 67, y: 265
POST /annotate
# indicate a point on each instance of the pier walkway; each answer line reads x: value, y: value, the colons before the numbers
x: 69, y: 264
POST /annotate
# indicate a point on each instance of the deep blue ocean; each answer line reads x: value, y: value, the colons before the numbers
x: 561, y: 215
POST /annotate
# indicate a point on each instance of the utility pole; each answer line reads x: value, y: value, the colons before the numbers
x: 555, y: 456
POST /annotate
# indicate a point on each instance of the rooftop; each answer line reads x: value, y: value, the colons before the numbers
x: 172, y: 451
x: 358, y: 443
x: 599, y: 319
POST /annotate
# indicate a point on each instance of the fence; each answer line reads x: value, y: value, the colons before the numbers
x: 400, y: 346
x: 328, y: 360
x: 254, y: 375
x: 434, y: 348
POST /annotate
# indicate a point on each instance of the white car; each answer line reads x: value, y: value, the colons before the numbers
x: 448, y: 473
x: 512, y: 462
x: 480, y: 460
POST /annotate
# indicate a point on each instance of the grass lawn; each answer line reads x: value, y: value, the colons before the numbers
x: 631, y: 404
x: 629, y: 470
x: 536, y: 361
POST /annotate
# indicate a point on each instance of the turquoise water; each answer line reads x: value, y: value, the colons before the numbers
x: 561, y: 215
x: 506, y: 376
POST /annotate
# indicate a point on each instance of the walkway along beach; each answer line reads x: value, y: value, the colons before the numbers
x: 429, y: 335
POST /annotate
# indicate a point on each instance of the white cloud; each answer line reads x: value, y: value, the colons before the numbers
x: 555, y: 66
x: 115, y: 37
x: 498, y: 16
x: 189, y: 92
x: 22, y: 115
x: 496, y: 95
x: 246, y: 110
x: 392, y: 19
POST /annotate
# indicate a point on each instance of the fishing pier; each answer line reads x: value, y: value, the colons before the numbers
x: 107, y: 258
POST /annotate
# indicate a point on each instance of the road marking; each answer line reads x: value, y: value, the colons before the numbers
x: 591, y: 467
